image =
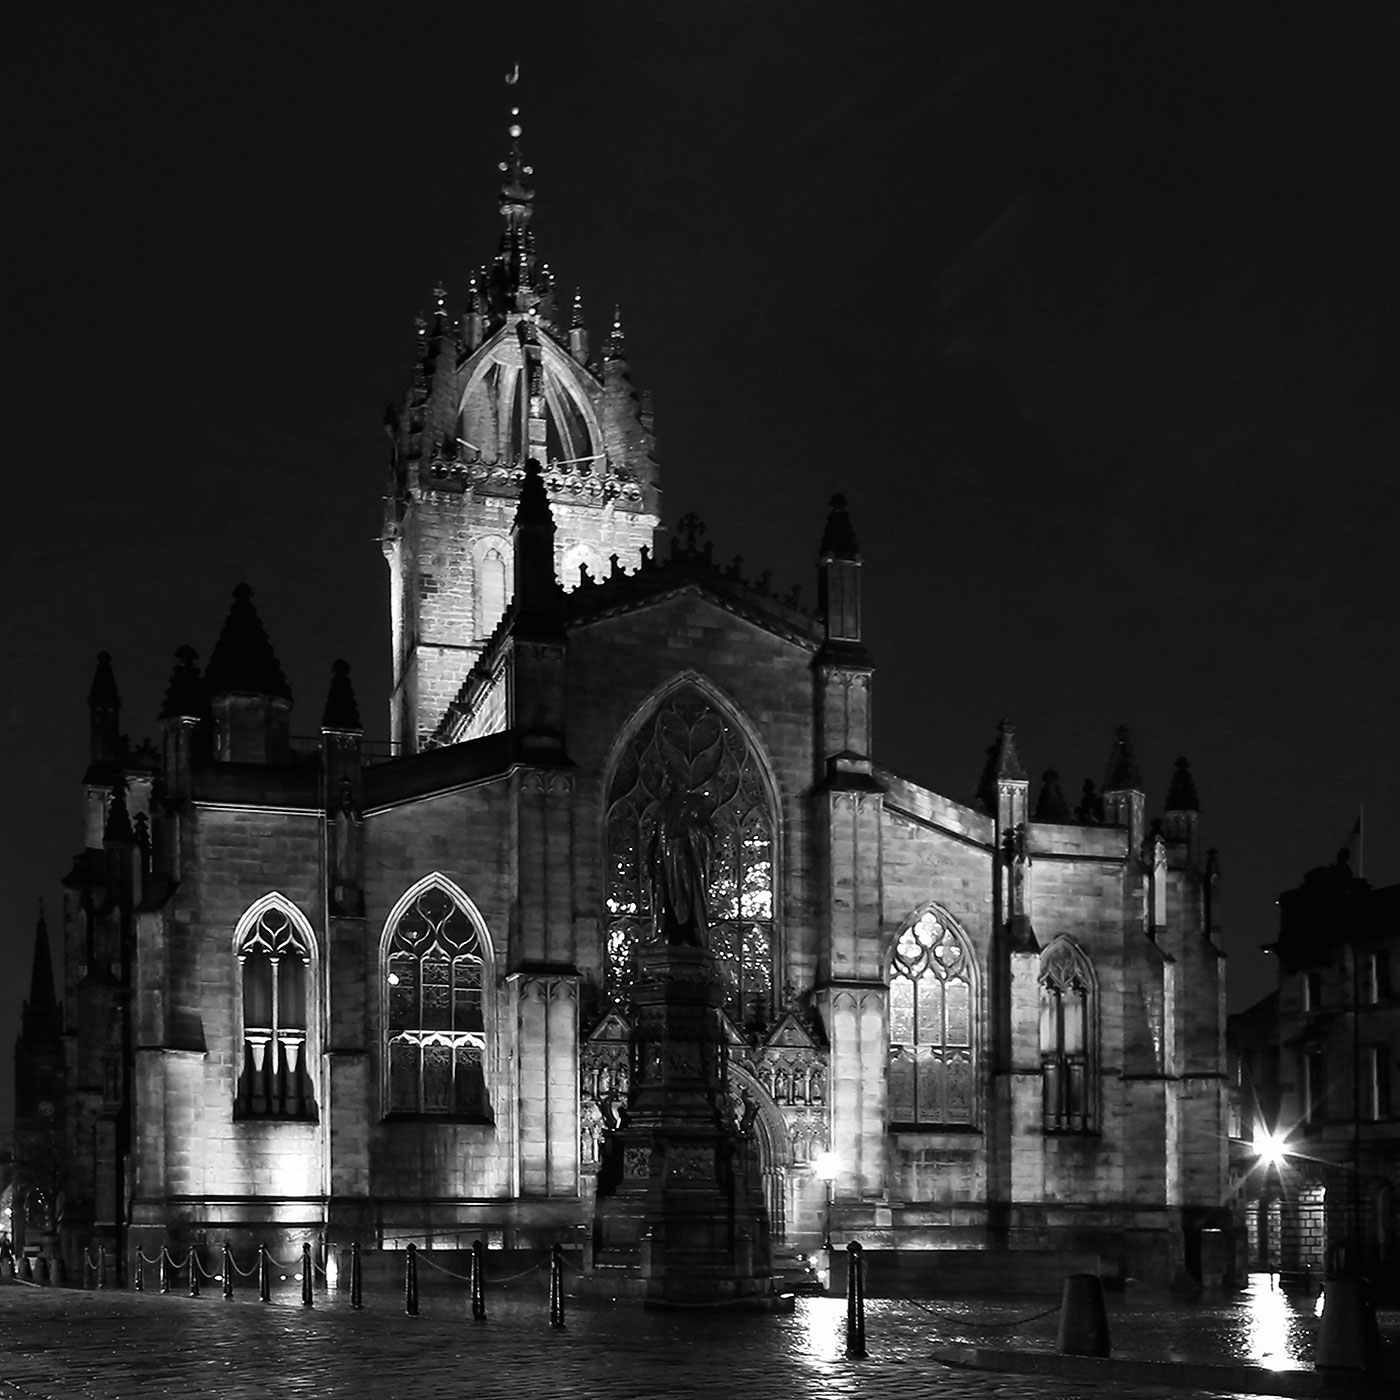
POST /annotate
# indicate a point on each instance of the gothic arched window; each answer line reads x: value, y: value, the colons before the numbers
x: 437, y: 996
x: 1068, y: 1039
x: 688, y: 746
x: 274, y: 946
x: 933, y: 1029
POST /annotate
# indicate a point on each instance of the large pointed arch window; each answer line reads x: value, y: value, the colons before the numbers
x: 274, y: 949
x: 437, y: 1007
x: 688, y: 745
x: 933, y: 1026
x: 1068, y: 1039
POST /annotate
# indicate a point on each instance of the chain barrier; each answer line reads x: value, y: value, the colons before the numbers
x: 957, y: 1321
x: 432, y: 1264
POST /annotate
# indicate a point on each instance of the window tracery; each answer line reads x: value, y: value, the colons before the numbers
x: 933, y: 1035
x: 687, y: 746
x: 1068, y: 1039
x: 274, y: 961
x: 436, y: 1009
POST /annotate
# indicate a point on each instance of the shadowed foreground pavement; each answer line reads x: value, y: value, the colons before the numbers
x: 128, y: 1346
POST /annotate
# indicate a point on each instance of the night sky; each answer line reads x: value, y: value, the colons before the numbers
x: 1090, y: 311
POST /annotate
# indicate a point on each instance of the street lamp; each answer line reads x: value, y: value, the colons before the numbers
x: 824, y: 1165
x: 1271, y: 1146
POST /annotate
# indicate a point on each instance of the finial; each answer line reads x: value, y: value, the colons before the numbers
x: 183, y: 698
x: 1123, y: 772
x: 1008, y: 760
x: 341, y: 710
x: 1181, y: 795
x: 616, y: 348
x: 1051, y: 805
x: 839, y: 536
x: 693, y: 529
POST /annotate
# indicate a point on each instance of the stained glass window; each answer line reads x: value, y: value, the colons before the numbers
x: 1068, y: 1045
x: 435, y: 1021
x: 274, y: 957
x: 687, y: 746
x: 933, y: 1041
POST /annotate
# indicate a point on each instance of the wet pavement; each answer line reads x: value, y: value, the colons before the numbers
x: 61, y: 1343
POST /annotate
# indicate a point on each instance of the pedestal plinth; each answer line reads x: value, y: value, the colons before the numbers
x: 676, y: 1219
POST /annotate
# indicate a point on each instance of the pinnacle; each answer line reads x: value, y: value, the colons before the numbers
x: 615, y: 347
x: 103, y: 694
x: 534, y: 499
x: 1122, y: 772
x: 243, y: 661
x: 1051, y: 806
x: 342, y: 711
x: 839, y: 536
x: 1008, y: 761
x: 118, y: 826
x: 184, y: 696
x: 1181, y: 795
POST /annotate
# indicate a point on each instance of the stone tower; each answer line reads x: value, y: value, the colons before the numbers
x: 502, y: 382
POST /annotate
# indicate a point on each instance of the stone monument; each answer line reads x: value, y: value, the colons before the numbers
x: 678, y: 1218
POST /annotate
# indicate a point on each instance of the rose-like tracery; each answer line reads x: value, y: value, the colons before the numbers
x: 687, y: 749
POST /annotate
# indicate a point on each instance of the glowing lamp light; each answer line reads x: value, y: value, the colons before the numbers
x: 824, y: 1166
x: 393, y: 979
x: 1272, y: 1147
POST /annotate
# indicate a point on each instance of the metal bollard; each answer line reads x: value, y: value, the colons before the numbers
x: 357, y: 1297
x: 556, y: 1286
x: 855, y: 1303
x: 102, y: 1266
x: 140, y: 1284
x: 478, y: 1281
x: 194, y: 1272
x: 410, y: 1282
x: 264, y: 1277
x: 164, y: 1269
x: 308, y: 1297
x: 228, y: 1271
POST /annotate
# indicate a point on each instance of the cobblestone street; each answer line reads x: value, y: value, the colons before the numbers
x: 57, y: 1344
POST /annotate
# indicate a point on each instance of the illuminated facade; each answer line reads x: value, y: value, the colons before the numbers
x: 357, y: 996
x: 1315, y: 1133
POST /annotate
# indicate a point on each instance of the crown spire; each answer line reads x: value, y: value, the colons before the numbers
x: 513, y: 279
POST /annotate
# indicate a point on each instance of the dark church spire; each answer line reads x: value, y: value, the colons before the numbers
x: 244, y: 662
x: 41, y: 1018
x: 104, y: 709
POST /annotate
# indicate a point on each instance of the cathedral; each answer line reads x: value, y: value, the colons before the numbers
x: 332, y: 991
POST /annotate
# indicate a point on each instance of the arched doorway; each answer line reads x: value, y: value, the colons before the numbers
x: 771, y: 1145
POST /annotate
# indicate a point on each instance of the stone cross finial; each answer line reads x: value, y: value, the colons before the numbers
x: 693, y: 529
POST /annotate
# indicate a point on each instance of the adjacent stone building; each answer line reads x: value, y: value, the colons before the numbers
x: 1315, y: 1143
x: 334, y: 993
